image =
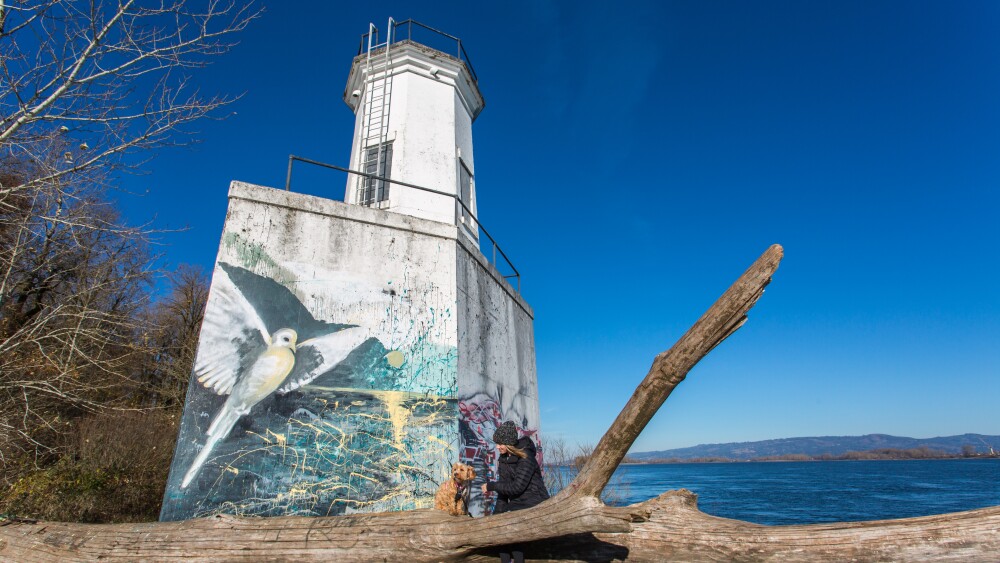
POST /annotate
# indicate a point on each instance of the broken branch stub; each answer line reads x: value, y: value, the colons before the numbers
x: 669, y: 368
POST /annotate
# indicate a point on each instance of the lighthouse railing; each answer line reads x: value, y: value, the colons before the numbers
x: 459, y: 204
x: 425, y: 35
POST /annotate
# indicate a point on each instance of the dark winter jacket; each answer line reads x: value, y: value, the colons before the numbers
x: 520, y: 484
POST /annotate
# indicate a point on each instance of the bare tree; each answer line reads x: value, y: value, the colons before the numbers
x: 92, y: 82
x: 563, y: 463
x: 557, y: 471
x: 89, y: 89
x: 72, y: 281
x: 171, y: 337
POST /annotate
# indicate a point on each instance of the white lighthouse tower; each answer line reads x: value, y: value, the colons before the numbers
x: 394, y: 346
x: 414, y: 109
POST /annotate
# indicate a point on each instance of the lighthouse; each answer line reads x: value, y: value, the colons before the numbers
x: 414, y: 106
x: 353, y: 350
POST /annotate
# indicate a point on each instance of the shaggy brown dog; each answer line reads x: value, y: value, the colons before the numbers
x: 453, y: 495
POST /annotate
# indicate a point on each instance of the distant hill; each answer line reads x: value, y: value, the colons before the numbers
x: 833, y: 445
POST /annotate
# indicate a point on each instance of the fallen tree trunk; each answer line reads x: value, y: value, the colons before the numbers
x: 677, y: 531
x: 572, y: 525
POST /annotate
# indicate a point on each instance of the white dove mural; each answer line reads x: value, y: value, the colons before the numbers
x: 250, y: 348
x: 317, y: 389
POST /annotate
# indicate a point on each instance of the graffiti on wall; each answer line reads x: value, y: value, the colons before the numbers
x: 479, y: 417
x: 497, y: 379
x: 314, y: 393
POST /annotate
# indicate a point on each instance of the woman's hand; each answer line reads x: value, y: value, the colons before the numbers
x: 484, y: 488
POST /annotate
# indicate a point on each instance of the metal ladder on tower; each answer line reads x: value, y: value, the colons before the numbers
x: 375, y: 119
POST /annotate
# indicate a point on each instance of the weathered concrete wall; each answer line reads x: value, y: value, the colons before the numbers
x: 497, y: 380
x: 375, y: 431
x: 348, y: 357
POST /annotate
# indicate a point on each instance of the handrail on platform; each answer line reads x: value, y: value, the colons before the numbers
x: 395, y: 37
x: 468, y: 212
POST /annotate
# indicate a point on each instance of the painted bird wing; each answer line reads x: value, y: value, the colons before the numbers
x: 277, y: 306
x: 316, y: 356
x: 230, y: 330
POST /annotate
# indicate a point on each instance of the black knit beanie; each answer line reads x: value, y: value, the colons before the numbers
x: 506, y: 434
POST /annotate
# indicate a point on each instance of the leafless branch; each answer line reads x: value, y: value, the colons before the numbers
x: 87, y: 89
x: 72, y: 73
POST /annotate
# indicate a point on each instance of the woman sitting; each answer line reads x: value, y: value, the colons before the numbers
x: 520, y: 484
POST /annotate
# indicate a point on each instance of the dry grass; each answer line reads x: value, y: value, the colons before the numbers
x: 113, y: 469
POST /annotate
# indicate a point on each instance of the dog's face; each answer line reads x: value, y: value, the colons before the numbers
x: 462, y: 472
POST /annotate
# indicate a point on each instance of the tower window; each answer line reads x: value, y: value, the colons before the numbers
x: 378, y: 162
x: 464, y: 188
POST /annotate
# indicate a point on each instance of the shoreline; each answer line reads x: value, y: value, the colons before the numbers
x: 673, y: 461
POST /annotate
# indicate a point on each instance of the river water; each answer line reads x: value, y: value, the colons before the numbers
x: 818, y: 491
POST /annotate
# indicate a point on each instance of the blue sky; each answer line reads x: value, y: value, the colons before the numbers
x: 634, y: 158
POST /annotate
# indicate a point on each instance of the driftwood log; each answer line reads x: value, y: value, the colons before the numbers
x: 573, y: 525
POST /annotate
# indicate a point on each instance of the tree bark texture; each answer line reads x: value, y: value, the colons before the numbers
x: 677, y: 531
x: 572, y: 526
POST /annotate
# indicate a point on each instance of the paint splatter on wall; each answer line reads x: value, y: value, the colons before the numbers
x: 496, y: 369
x: 318, y: 390
x: 347, y: 358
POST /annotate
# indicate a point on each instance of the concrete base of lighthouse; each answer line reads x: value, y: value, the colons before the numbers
x: 449, y: 354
